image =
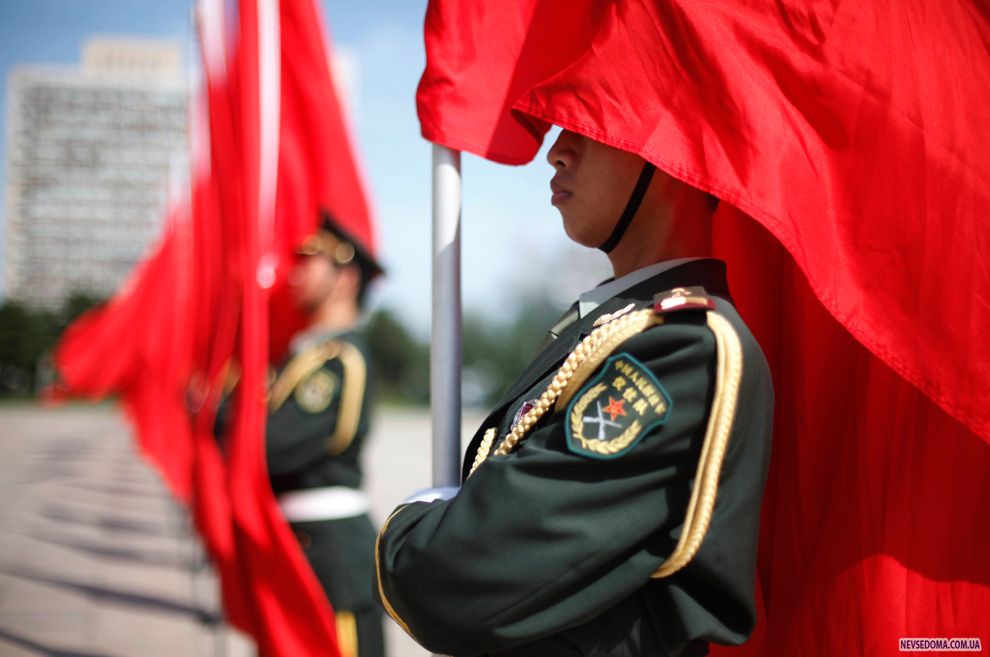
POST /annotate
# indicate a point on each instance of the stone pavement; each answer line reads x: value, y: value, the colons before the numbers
x: 96, y: 560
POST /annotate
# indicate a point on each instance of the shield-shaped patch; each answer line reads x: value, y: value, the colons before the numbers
x: 315, y: 393
x: 615, y: 409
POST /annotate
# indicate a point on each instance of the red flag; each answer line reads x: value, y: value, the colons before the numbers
x: 276, y: 151
x: 289, y: 611
x: 138, y: 343
x: 318, y: 168
x: 850, y: 133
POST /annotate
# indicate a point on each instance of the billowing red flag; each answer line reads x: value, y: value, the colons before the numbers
x: 276, y: 152
x: 138, y: 344
x: 846, y: 142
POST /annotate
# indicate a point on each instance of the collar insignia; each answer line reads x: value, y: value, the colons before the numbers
x: 608, y: 317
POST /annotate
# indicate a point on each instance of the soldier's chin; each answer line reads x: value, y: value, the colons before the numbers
x: 579, y: 234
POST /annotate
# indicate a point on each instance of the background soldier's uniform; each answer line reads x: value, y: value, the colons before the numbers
x: 318, y: 419
x: 549, y: 550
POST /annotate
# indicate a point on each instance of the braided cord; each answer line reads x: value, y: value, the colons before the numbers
x: 484, y: 449
x: 728, y: 375
x: 586, y: 357
x: 589, y: 353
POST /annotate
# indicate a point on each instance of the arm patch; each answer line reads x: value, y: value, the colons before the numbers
x: 612, y: 413
x: 316, y: 392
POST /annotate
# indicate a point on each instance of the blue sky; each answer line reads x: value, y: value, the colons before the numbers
x: 508, y: 223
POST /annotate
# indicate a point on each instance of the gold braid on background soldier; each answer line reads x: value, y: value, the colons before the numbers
x: 310, y: 361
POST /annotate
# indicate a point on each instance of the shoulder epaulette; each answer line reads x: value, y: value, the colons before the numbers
x: 355, y: 376
x: 682, y: 298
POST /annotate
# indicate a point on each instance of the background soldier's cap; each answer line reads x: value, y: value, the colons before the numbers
x: 340, y: 246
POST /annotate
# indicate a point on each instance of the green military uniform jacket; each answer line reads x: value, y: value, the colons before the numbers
x: 317, y: 423
x: 551, y: 548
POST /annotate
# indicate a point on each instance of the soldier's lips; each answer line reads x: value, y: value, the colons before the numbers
x: 558, y: 193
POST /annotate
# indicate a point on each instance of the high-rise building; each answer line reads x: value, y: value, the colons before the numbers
x: 91, y: 150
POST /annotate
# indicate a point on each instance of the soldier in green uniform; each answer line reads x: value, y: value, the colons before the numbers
x: 610, y: 502
x: 318, y: 418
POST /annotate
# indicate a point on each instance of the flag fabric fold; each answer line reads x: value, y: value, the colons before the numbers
x: 844, y: 140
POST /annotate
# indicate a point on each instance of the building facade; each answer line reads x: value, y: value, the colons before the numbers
x: 91, y: 151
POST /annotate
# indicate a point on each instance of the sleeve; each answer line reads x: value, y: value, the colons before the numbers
x: 318, y: 413
x: 545, y: 538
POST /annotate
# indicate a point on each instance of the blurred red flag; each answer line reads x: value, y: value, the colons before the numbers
x: 318, y: 165
x: 275, y: 152
x: 290, y: 614
x: 137, y: 344
x: 846, y: 142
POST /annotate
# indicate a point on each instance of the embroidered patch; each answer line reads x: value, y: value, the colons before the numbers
x: 614, y: 410
x: 314, y: 394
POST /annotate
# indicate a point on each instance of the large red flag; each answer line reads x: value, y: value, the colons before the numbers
x: 275, y: 152
x: 849, y: 135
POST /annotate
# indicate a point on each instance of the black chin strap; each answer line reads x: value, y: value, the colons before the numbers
x: 639, y: 191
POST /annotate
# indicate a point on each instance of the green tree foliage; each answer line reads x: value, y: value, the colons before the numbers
x: 78, y: 303
x: 496, y: 351
x: 402, y: 363
x: 27, y: 337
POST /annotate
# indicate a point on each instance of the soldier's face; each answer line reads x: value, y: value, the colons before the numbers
x: 311, y: 281
x: 591, y: 186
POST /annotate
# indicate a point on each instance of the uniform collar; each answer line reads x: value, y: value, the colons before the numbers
x: 311, y: 337
x: 595, y: 297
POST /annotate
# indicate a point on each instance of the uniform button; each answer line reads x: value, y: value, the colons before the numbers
x: 305, y: 540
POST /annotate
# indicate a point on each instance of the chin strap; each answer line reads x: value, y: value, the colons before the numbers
x: 639, y: 191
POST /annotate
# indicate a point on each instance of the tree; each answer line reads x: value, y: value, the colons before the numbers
x: 401, y: 362
x: 77, y: 304
x: 495, y: 352
x: 27, y: 337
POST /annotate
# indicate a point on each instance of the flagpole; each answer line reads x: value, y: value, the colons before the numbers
x: 445, y: 336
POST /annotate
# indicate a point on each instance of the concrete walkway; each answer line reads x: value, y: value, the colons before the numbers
x: 97, y: 561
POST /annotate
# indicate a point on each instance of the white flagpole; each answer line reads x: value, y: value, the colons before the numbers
x: 445, y: 337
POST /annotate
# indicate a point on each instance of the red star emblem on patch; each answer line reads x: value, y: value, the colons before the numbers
x: 615, y: 408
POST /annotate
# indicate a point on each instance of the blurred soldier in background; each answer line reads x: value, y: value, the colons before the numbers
x: 318, y: 418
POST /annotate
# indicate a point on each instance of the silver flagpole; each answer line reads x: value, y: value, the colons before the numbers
x: 445, y: 338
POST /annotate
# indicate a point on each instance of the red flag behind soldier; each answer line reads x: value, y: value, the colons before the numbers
x: 847, y: 137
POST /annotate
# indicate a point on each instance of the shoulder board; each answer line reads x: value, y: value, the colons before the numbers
x: 355, y: 374
x: 682, y: 298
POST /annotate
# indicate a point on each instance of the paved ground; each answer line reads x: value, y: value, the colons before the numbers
x: 97, y: 561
